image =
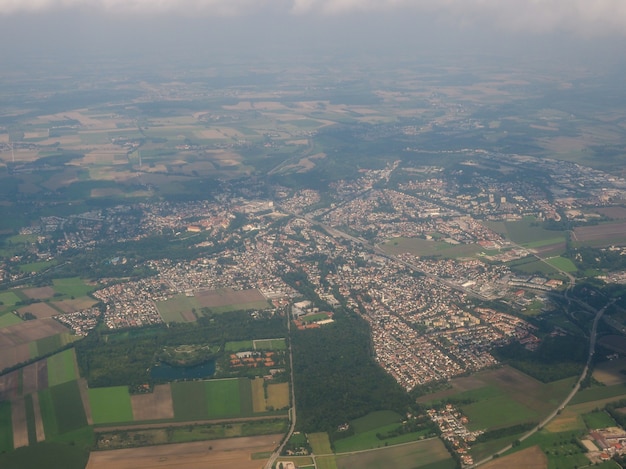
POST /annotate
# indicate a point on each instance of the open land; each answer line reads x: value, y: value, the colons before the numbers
x: 217, y: 454
x: 153, y: 406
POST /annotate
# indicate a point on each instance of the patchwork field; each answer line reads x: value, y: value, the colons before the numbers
x: 61, y: 367
x: 39, y: 293
x: 62, y: 409
x: 40, y: 310
x: 15, y: 340
x: 608, y: 233
x: 219, y: 454
x: 530, y: 458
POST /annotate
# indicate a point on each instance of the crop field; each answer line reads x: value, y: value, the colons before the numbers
x: 153, y: 406
x: 35, y: 377
x: 277, y: 396
x: 40, y: 310
x: 603, y: 234
x: 258, y: 395
x: 531, y: 457
x: 9, y: 319
x: 320, y: 444
x: 110, y: 405
x: 599, y: 419
x: 527, y: 232
x: 369, y: 439
x: 563, y: 264
x: 559, y: 448
x: 503, y: 397
x: 227, y: 299
x: 72, y: 287
x: 375, y: 420
x: 14, y: 340
x: 52, y: 343
x: 610, y: 372
x: 6, y: 431
x: 189, y: 398
x: 326, y: 462
x: 428, y: 453
x: 61, y: 368
x: 179, y: 308
x: 269, y: 344
x: 614, y: 342
x: 531, y: 266
x: 239, y: 346
x: 597, y: 393
x: 62, y: 409
x: 223, y: 398
x: 77, y: 304
x: 9, y: 298
x: 232, y: 452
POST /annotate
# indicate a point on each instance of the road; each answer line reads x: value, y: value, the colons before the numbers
x: 292, y: 411
x: 544, y: 422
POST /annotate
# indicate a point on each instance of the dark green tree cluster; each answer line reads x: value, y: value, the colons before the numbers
x: 336, y: 378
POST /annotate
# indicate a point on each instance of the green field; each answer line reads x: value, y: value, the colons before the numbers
x: 320, y: 443
x: 270, y: 344
x: 52, y: 343
x: 563, y: 264
x: 498, y: 411
x: 66, y: 456
x: 62, y: 409
x: 369, y: 439
x: 222, y: 398
x: 72, y: 287
x: 530, y: 265
x: 528, y: 232
x: 599, y: 393
x: 248, y: 306
x: 427, y: 454
x: 9, y: 298
x: 239, y: 346
x: 61, y: 368
x: 600, y: 419
x: 110, y: 405
x: 9, y: 319
x: 37, y: 266
x: 170, y: 310
x: 189, y: 398
x: 560, y: 448
x: 6, y: 429
x: 375, y: 420
x: 245, y: 398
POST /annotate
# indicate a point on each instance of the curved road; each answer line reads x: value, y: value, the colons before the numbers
x: 592, y: 347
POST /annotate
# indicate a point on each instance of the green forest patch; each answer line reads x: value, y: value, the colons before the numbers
x: 61, y: 368
x: 110, y: 405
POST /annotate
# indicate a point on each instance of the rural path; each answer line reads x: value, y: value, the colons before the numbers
x: 592, y: 347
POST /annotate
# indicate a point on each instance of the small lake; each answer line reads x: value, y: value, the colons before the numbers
x: 164, y: 372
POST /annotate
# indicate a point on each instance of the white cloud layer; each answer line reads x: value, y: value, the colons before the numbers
x: 587, y: 17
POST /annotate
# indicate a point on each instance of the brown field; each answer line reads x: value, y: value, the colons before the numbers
x: 609, y: 232
x: 71, y: 306
x: 153, y: 406
x: 406, y: 455
x: 226, y: 297
x: 9, y: 385
x: 278, y: 395
x: 609, y: 373
x: 618, y: 213
x: 40, y: 293
x: 18, y: 420
x: 614, y: 342
x: 529, y: 458
x: 35, y: 377
x: 230, y: 453
x: 258, y: 395
x: 12, y: 355
x: 41, y: 435
x: 14, y: 339
x: 40, y: 310
x: 567, y: 420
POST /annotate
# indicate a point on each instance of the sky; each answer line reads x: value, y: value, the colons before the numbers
x: 588, y: 29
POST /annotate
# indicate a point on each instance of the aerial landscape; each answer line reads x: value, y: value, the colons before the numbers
x: 312, y: 234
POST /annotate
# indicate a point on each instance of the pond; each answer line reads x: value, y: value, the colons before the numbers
x: 165, y: 372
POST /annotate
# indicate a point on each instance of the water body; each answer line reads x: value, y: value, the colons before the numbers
x: 165, y: 372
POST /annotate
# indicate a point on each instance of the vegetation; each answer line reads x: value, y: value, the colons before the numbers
x: 110, y: 405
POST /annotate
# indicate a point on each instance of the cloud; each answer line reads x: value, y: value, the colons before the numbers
x: 587, y: 17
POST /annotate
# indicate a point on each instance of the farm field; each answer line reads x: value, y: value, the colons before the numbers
x: 62, y: 409
x: 223, y: 397
x: 156, y: 405
x: 531, y: 457
x: 610, y: 373
x: 506, y: 386
x: 428, y: 453
x: 320, y: 444
x: 603, y: 234
x: 527, y: 232
x: 597, y: 393
x: 61, y: 368
x: 9, y: 319
x: 72, y: 287
x: 225, y: 300
x: 39, y: 310
x: 110, y: 405
x: 233, y: 452
x: 563, y: 264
